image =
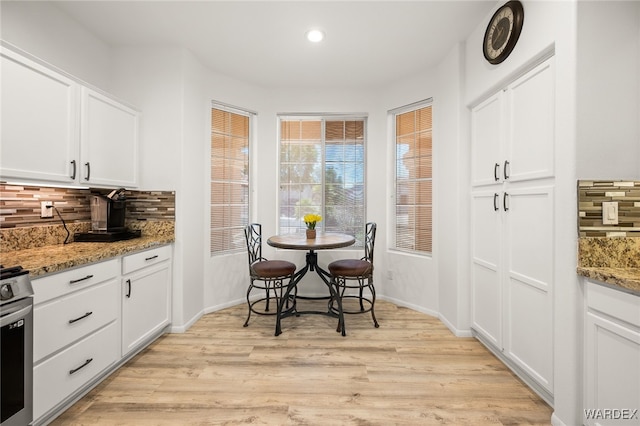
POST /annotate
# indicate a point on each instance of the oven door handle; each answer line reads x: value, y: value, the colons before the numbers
x: 13, y: 316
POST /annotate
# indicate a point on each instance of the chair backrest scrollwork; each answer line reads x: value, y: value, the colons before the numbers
x: 369, y: 241
x: 253, y: 237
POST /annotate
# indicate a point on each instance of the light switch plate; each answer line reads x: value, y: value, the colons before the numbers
x: 610, y: 213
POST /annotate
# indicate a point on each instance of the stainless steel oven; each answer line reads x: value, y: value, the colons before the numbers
x: 16, y: 347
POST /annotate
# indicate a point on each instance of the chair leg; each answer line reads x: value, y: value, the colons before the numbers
x: 266, y: 308
x: 361, y: 283
x: 280, y: 305
x: 373, y: 302
x: 335, y: 289
x: 246, y: 323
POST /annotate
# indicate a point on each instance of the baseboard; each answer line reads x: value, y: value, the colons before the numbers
x: 186, y: 326
x: 555, y: 421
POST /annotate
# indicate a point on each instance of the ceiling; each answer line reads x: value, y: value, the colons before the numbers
x: 368, y: 43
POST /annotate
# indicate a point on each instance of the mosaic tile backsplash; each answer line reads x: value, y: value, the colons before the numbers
x: 591, y: 195
x: 20, y: 205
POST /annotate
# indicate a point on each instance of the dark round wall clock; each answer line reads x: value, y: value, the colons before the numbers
x: 503, y: 32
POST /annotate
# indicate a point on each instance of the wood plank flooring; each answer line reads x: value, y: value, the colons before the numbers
x: 410, y: 371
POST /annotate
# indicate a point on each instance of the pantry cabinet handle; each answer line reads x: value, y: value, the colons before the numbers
x: 88, y: 170
x: 504, y: 202
x: 80, y: 279
x: 496, y: 169
x: 507, y: 172
x: 87, y: 362
x: 73, y: 175
x: 151, y: 258
x: 495, y: 202
x: 128, y: 295
x: 71, y: 321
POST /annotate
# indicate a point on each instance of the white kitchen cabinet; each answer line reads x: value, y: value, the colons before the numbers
x: 39, y: 113
x: 76, y: 331
x: 57, y: 130
x: 146, y: 291
x: 612, y: 356
x: 512, y: 224
x: 108, y: 141
x: 513, y: 130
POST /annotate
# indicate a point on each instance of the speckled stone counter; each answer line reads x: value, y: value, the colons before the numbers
x: 18, y: 249
x: 48, y: 259
x: 614, y: 261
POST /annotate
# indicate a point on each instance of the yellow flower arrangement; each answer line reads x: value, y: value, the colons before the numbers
x: 311, y: 219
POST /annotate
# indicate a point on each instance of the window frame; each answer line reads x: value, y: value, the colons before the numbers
x: 323, y: 118
x: 392, y: 115
x: 251, y: 116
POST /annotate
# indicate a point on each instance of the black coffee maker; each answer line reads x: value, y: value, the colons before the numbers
x: 108, y: 219
x: 108, y: 211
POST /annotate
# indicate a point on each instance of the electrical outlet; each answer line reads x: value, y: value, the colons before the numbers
x: 46, y: 209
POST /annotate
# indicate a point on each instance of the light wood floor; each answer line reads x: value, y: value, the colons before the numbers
x: 411, y: 370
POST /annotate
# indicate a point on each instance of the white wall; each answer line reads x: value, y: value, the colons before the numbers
x: 44, y: 31
x: 549, y: 26
x: 608, y: 90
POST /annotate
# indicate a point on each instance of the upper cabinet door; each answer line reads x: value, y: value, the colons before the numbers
x: 39, y: 110
x: 109, y: 142
x: 486, y: 145
x: 512, y: 132
x: 531, y: 109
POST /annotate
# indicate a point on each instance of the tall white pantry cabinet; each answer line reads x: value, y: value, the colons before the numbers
x: 512, y: 224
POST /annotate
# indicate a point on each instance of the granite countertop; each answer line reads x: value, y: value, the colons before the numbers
x: 55, y: 258
x: 613, y: 261
x: 625, y: 278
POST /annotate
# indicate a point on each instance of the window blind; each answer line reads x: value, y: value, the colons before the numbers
x: 322, y: 171
x: 229, y: 180
x: 414, y: 180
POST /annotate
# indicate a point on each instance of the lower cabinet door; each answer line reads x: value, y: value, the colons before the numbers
x: 60, y: 376
x: 612, y: 369
x: 145, y: 305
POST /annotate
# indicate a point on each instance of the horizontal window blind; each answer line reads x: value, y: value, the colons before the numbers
x: 414, y: 180
x: 322, y: 171
x: 229, y: 180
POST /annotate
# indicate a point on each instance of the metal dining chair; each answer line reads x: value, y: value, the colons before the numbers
x: 269, y: 276
x: 348, y: 275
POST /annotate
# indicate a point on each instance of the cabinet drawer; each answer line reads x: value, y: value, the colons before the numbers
x: 64, y: 320
x: 52, y: 286
x: 616, y: 303
x: 58, y: 377
x: 133, y: 262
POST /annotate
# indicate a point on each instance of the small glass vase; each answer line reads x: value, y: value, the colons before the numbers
x: 311, y: 234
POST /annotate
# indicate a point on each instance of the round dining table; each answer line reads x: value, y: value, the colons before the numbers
x: 299, y: 241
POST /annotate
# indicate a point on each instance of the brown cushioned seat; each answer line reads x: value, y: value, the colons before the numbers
x: 350, y: 268
x: 273, y: 268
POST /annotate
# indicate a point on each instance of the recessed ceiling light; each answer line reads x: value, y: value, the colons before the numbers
x: 315, y: 36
